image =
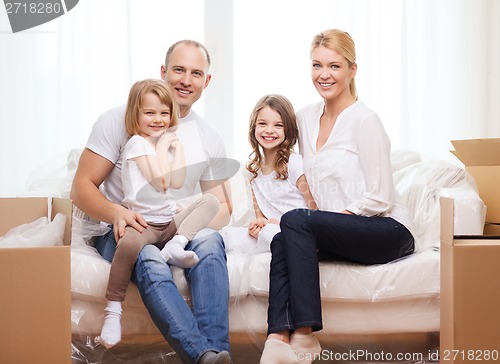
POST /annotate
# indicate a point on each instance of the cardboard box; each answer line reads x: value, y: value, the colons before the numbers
x: 470, y: 294
x: 35, y: 288
x: 481, y: 158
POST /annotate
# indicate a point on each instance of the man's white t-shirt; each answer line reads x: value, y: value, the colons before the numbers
x: 277, y: 196
x: 203, y: 145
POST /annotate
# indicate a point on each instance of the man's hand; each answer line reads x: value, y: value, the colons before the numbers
x: 125, y: 217
x: 91, y: 172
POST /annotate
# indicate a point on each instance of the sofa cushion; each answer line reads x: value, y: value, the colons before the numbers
x: 90, y: 273
x: 414, y: 276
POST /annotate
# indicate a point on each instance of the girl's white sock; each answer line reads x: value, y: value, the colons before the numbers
x: 277, y: 352
x: 306, y: 346
x: 111, y: 333
x: 174, y: 253
x: 211, y: 357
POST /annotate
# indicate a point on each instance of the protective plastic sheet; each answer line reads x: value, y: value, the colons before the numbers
x: 422, y: 181
x: 54, y: 177
x: 38, y: 233
x: 367, y: 311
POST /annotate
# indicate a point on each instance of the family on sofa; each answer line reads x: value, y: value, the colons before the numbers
x: 336, y: 200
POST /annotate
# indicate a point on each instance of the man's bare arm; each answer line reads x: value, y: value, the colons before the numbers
x: 91, y: 172
x: 221, y: 190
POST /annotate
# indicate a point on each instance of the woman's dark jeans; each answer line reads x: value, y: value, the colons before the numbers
x: 307, y: 235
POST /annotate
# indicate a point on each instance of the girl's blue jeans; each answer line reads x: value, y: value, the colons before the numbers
x: 190, y: 331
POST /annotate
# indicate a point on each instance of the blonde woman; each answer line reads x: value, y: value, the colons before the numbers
x: 346, y: 155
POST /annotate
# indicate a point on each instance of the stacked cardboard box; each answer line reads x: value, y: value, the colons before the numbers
x: 35, y: 288
x: 470, y: 265
x: 481, y: 158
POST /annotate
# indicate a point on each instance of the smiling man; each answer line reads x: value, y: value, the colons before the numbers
x: 182, y: 71
x: 200, y: 334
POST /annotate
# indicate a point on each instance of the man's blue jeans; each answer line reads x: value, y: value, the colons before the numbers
x: 190, y: 332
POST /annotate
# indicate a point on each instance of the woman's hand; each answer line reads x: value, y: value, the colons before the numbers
x: 347, y: 212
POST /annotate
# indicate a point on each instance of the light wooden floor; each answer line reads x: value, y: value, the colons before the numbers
x: 247, y: 349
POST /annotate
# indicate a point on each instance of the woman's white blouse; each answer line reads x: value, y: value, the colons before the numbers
x: 352, y: 170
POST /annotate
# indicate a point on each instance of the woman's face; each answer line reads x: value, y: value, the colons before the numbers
x: 330, y: 73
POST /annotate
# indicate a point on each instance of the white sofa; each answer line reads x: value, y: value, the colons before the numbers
x: 388, y: 311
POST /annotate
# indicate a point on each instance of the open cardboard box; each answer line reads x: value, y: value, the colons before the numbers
x: 469, y: 294
x: 35, y: 288
x: 481, y: 158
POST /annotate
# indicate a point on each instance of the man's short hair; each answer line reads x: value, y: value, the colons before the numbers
x: 187, y: 42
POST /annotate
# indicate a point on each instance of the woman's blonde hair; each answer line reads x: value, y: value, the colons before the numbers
x: 340, y: 42
x: 284, y: 108
x: 135, y: 102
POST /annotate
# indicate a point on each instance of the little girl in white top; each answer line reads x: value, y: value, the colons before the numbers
x: 153, y: 162
x: 275, y: 172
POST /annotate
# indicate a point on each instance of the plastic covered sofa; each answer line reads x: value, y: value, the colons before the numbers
x: 384, y: 312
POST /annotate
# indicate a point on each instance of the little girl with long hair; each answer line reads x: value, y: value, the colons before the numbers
x: 153, y: 162
x: 276, y: 173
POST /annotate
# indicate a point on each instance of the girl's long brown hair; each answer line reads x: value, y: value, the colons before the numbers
x: 284, y: 108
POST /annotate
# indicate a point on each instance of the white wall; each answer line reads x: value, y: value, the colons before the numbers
x: 56, y: 79
x: 429, y: 68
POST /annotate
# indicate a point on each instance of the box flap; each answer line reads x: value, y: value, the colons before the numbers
x: 16, y: 211
x: 477, y: 152
x: 447, y: 220
x: 487, y: 180
x: 65, y: 207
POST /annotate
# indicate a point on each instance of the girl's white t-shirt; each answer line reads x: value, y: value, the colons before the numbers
x: 277, y: 196
x: 140, y: 195
x: 203, y: 146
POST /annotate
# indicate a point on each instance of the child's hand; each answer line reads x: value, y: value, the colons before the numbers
x: 256, y: 226
x: 273, y: 221
x: 254, y: 232
x: 166, y: 139
x: 176, y: 144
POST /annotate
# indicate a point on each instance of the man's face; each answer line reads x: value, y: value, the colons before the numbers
x: 187, y: 73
